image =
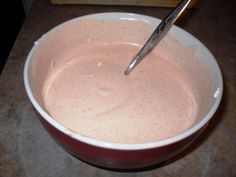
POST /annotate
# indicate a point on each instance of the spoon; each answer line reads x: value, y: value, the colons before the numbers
x: 158, y: 34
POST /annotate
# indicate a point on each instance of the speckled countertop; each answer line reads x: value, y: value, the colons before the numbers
x: 27, y: 150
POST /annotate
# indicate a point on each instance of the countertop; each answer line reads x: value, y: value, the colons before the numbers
x: 26, y: 149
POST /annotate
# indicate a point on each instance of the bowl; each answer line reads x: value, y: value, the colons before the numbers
x: 207, y: 84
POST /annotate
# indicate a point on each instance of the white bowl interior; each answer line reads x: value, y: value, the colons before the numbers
x: 202, y: 69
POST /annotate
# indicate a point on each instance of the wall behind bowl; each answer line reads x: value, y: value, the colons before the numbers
x: 12, y: 15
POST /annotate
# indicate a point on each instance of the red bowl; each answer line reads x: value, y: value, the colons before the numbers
x: 127, y: 156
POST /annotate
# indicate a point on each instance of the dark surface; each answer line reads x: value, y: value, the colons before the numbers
x: 11, y: 16
x: 27, y: 150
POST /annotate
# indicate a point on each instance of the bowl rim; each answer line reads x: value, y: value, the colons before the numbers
x: 122, y: 146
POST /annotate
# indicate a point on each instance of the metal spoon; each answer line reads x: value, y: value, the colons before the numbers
x: 158, y: 34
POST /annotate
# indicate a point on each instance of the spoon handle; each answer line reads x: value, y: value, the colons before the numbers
x: 158, y: 34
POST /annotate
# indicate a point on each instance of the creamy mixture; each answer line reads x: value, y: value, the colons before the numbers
x: 90, y: 95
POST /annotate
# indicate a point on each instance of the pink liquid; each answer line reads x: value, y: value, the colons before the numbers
x: 91, y: 96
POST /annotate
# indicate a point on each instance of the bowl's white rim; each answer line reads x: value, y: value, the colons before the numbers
x: 120, y: 146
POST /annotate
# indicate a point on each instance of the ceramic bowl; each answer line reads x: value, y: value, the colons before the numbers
x: 128, y: 156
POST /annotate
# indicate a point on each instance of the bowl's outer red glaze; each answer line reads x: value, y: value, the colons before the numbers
x: 114, y: 158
